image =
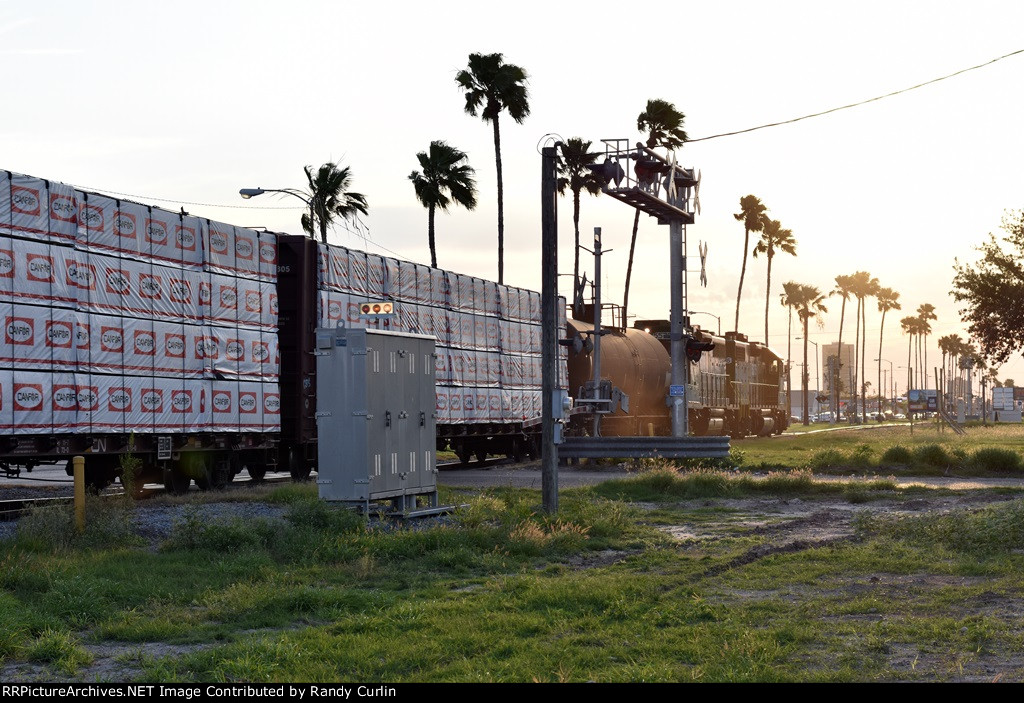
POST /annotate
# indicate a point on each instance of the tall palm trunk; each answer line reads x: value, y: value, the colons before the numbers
x: 767, y: 298
x: 743, y: 272
x: 839, y: 361
x: 430, y: 236
x: 789, y: 356
x: 577, y: 293
x: 925, y: 345
x: 805, y: 373
x: 856, y: 361
x: 881, y: 333
x: 910, y: 371
x: 501, y: 204
x: 864, y: 359
x: 629, y: 269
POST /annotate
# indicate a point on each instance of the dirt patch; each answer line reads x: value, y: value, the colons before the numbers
x: 111, y: 662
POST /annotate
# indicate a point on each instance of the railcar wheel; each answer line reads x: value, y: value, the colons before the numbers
x: 301, y: 471
x: 481, y: 454
x: 175, y: 482
x: 463, y: 452
x: 257, y: 472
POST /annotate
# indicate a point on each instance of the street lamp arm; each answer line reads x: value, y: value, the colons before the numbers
x: 247, y: 193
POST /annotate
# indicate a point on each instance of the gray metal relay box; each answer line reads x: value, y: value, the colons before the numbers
x: 376, y: 416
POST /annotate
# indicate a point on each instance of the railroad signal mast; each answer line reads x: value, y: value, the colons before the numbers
x: 659, y: 187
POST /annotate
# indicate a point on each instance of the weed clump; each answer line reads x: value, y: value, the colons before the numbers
x: 933, y: 455
x: 1003, y: 461
x: 897, y: 456
x: 108, y: 525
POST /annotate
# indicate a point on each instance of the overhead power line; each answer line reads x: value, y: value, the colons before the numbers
x: 186, y: 202
x: 857, y: 104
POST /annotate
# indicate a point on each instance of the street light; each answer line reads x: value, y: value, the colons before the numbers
x: 699, y: 312
x: 247, y: 193
x: 892, y: 376
x: 817, y: 371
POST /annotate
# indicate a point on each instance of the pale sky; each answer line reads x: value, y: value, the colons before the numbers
x: 190, y: 101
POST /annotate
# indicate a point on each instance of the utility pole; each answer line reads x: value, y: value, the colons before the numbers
x: 549, y: 327
x: 597, y: 325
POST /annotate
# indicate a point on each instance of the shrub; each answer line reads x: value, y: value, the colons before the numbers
x: 108, y: 524
x: 827, y: 459
x: 996, y: 460
x: 932, y: 455
x: 897, y: 456
x: 319, y: 515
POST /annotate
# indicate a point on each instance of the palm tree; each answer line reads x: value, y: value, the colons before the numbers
x: 864, y: 285
x: 888, y: 299
x: 790, y: 292
x: 773, y: 238
x: 574, y: 173
x: 909, y: 325
x: 330, y: 198
x: 809, y: 303
x: 926, y: 312
x: 844, y: 288
x: 664, y: 125
x: 447, y: 178
x: 491, y: 86
x: 752, y: 215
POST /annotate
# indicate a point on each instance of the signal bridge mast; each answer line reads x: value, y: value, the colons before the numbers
x: 644, y: 179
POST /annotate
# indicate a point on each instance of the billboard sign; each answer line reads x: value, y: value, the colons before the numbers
x: 919, y: 401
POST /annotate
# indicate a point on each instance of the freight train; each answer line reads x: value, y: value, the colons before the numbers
x: 188, y: 344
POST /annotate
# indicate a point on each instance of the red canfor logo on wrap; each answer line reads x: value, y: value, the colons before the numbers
x: 112, y: 339
x: 91, y: 217
x: 268, y: 253
x: 205, y: 296
x: 181, y: 401
x: 144, y: 343
x: 150, y: 286
x: 441, y: 401
x: 261, y: 352
x: 206, y: 348
x: 65, y: 397
x: 39, y: 268
x: 19, y: 330
x: 180, y: 290
x: 156, y: 232
x: 6, y: 263
x: 273, y: 303
x: 82, y: 335
x: 59, y: 333
x: 253, y: 301
x: 25, y: 201
x: 234, y: 350
x: 28, y: 397
x: 63, y: 208
x: 247, y: 402
x: 152, y: 400
x: 174, y: 345
x: 244, y: 247
x: 119, y: 399
x: 228, y: 297
x: 125, y: 225
x: 117, y: 282
x: 272, y: 403
x: 333, y: 310
x: 88, y: 397
x: 218, y: 241
x: 184, y: 238
x: 221, y: 401
x: 79, y: 274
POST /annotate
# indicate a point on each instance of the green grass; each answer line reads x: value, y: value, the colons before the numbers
x: 503, y: 592
x: 926, y: 449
